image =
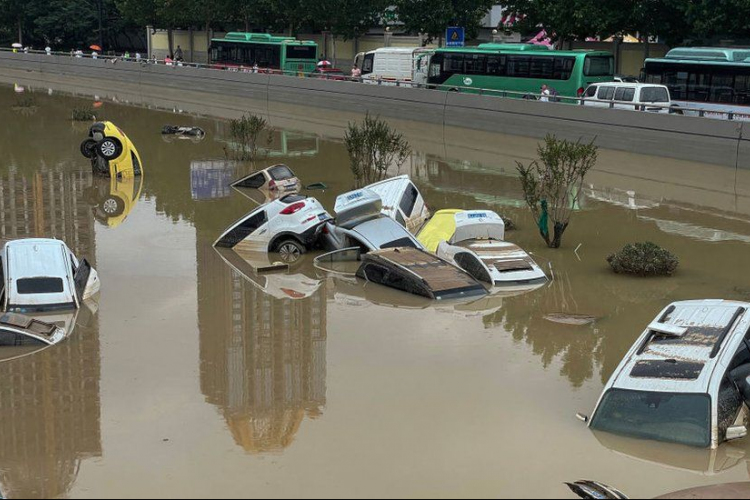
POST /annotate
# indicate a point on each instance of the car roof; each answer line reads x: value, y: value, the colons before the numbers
x: 36, y: 258
x: 680, y: 350
x: 391, y: 191
x: 627, y: 84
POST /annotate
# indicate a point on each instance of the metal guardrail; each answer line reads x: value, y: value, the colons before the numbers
x: 581, y: 101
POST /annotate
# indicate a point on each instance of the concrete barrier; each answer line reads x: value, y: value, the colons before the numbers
x: 681, y: 137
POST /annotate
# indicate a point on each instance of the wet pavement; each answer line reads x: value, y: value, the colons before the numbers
x: 197, y: 378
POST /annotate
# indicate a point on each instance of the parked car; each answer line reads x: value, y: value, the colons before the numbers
x: 111, y: 152
x: 627, y: 95
x: 276, y: 179
x: 361, y: 223
x: 686, y: 380
x: 474, y: 241
x: 290, y: 226
x: 40, y: 275
x: 402, y: 202
x: 327, y: 73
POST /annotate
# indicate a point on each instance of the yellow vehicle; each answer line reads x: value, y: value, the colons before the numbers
x: 113, y: 199
x: 111, y: 152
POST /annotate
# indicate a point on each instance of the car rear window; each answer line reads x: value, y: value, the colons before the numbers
x: 293, y: 198
x: 30, y: 286
x: 254, y: 182
x: 281, y: 173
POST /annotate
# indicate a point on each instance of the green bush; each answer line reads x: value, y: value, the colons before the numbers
x: 82, y: 114
x: 374, y: 148
x: 644, y: 259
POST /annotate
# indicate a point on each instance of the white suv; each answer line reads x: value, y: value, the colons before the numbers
x: 290, y: 226
x: 686, y: 380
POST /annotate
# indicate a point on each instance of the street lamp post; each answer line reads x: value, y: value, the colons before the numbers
x: 387, y: 36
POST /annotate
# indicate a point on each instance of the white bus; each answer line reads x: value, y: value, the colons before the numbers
x: 395, y: 64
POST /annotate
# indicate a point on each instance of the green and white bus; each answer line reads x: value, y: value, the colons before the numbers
x: 268, y: 52
x: 519, y: 68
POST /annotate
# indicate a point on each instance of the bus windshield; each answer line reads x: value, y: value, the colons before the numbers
x: 674, y: 418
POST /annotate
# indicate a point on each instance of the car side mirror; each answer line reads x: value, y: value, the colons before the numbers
x: 736, y: 432
x: 583, y: 418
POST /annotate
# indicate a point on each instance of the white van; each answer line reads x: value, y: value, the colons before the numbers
x: 395, y: 64
x: 632, y: 96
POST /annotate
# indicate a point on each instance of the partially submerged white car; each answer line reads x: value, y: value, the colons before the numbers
x: 360, y: 222
x: 402, y: 202
x: 290, y: 226
x: 474, y: 241
x: 40, y: 275
x: 686, y: 380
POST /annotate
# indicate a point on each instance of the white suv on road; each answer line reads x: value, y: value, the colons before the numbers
x: 630, y: 96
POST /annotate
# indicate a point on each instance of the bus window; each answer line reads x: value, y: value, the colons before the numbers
x: 453, y: 63
x: 541, y: 67
x: 599, y: 66
x: 301, y: 52
x: 563, y: 68
x: 519, y: 66
x: 496, y: 65
x: 476, y: 64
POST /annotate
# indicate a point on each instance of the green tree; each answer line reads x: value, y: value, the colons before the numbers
x: 432, y: 17
x: 346, y: 19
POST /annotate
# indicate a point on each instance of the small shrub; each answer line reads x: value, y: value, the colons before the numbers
x: 644, y: 259
x: 26, y: 101
x: 82, y: 114
x: 245, y: 133
x: 374, y: 148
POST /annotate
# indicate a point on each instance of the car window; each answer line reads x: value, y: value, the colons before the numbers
x: 400, y: 243
x: 281, y: 173
x: 243, y: 230
x: 367, y: 65
x: 30, y: 286
x: 654, y: 94
x: 255, y: 182
x: 624, y: 94
x: 606, y: 93
x: 591, y: 91
x: 409, y: 200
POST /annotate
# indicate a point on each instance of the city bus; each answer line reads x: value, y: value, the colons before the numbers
x: 519, y: 68
x: 276, y: 53
x: 713, y: 79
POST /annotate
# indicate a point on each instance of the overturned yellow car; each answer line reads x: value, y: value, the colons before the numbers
x: 114, y: 198
x: 111, y: 152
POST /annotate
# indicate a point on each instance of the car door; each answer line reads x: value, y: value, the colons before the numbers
x: 734, y: 392
x: 81, y: 279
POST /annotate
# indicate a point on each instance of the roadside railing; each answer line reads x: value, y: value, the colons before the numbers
x: 505, y: 94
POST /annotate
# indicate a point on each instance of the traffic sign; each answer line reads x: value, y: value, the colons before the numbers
x: 455, y: 37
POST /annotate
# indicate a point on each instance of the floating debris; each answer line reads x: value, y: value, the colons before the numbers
x: 571, y: 319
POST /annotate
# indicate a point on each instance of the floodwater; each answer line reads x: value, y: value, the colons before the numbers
x: 196, y: 378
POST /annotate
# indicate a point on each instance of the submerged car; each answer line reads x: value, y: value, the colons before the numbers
x: 20, y: 330
x: 474, y: 240
x: 402, y: 202
x: 361, y: 223
x: 686, y: 380
x: 290, y: 226
x: 111, y: 152
x: 278, y: 179
x: 41, y: 275
x: 418, y: 272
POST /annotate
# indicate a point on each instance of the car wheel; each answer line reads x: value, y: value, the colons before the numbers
x: 290, y: 251
x: 113, y: 206
x: 88, y: 148
x: 109, y: 149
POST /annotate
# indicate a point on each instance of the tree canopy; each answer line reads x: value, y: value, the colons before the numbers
x: 66, y: 24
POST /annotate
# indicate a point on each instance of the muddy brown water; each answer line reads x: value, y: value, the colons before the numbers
x: 195, y: 378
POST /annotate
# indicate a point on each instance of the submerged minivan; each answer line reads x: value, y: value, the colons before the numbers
x: 629, y: 95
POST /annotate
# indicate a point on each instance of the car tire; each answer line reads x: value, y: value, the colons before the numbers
x: 88, y: 148
x: 113, y: 206
x: 290, y: 250
x: 109, y: 148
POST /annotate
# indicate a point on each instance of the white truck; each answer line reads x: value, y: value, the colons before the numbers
x: 387, y: 66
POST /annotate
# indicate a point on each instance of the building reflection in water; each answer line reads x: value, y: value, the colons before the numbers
x: 263, y: 359
x: 49, y: 401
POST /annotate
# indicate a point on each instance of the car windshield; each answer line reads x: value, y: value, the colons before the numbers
x: 384, y: 232
x: 667, y: 417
